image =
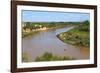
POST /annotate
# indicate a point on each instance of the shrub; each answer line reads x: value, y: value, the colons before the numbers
x: 50, y: 57
x: 24, y: 57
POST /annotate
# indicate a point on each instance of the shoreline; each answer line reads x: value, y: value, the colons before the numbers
x: 75, y: 42
x: 70, y: 44
x: 31, y: 32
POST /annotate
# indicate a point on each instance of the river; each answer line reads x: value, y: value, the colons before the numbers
x: 47, y: 41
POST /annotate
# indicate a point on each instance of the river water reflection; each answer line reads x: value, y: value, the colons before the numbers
x: 46, y: 41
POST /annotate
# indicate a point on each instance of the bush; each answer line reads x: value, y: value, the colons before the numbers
x: 50, y: 57
x: 24, y: 57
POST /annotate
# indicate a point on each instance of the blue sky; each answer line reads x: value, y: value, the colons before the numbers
x: 50, y: 16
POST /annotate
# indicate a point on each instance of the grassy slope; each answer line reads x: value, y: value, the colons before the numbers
x: 78, y: 36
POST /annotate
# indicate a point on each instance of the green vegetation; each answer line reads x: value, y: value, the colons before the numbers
x: 78, y: 36
x: 28, y: 28
x: 37, y: 25
x: 24, y: 57
x: 50, y: 57
x: 24, y: 34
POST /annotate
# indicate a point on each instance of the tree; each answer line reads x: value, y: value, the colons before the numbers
x: 28, y: 25
x: 86, y: 22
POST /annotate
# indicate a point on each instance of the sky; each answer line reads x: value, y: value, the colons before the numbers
x: 51, y: 16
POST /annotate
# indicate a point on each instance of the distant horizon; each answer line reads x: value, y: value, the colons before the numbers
x: 51, y: 16
x: 54, y: 22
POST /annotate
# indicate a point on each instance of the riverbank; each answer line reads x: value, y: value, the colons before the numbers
x: 29, y: 32
x: 78, y: 36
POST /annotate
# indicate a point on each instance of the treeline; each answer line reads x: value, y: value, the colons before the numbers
x: 37, y: 25
x: 84, y: 27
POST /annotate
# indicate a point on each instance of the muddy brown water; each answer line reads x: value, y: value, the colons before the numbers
x: 47, y: 41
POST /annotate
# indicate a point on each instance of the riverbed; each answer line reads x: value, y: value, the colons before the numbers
x: 47, y: 41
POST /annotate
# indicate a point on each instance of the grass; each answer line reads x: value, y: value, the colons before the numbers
x: 78, y: 36
x: 50, y: 57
